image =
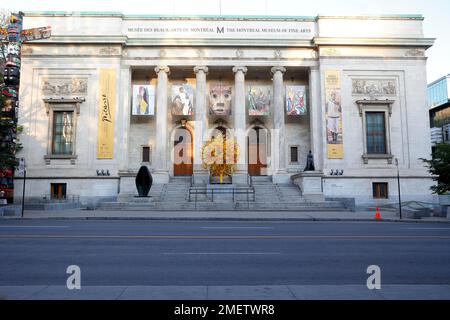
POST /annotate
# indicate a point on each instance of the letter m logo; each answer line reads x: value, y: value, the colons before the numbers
x: 220, y: 30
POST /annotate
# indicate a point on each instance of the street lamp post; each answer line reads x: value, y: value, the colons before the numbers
x: 23, y: 171
x: 398, y: 183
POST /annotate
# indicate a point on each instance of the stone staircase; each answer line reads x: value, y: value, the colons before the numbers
x: 268, y: 197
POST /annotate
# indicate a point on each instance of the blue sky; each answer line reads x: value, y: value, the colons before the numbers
x: 436, y: 25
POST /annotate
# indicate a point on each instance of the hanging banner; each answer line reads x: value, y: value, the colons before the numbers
x: 182, y: 100
x: 259, y: 98
x: 296, y: 100
x: 143, y: 100
x: 106, y: 114
x: 333, y: 114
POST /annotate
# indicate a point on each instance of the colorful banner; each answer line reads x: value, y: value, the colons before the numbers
x: 219, y: 100
x: 143, y: 100
x: 333, y: 114
x: 182, y: 100
x: 259, y: 100
x: 296, y: 100
x: 106, y: 114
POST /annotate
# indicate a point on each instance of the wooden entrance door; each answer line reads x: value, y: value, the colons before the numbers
x: 182, y: 156
x: 257, y: 151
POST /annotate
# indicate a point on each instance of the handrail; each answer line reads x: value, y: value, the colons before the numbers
x: 236, y: 190
x: 249, y: 180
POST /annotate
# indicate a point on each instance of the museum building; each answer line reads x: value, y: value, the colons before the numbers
x: 109, y: 93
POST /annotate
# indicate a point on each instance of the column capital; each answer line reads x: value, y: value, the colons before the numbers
x: 201, y: 68
x: 278, y: 69
x: 165, y: 69
x: 240, y: 68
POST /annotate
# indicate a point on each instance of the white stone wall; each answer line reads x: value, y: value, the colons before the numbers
x: 360, y: 188
x: 360, y: 47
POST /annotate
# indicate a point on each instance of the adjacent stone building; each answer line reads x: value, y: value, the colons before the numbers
x: 109, y: 93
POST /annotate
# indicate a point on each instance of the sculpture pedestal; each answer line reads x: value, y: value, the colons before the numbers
x: 138, y: 199
x: 310, y: 183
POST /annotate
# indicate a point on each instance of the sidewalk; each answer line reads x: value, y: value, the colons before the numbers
x: 219, y: 215
x: 268, y: 292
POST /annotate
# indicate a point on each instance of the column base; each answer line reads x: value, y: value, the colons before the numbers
x: 281, y: 177
x: 201, y: 177
x: 160, y: 176
x: 310, y: 183
x: 240, y: 177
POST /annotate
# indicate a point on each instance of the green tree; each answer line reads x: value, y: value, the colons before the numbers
x: 439, y: 165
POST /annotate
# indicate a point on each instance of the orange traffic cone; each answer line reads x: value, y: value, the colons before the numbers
x: 377, y: 214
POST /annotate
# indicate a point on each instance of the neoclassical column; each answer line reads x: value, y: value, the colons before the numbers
x: 161, y: 144
x: 124, y: 116
x: 279, y: 142
x: 240, y: 123
x: 200, y: 114
x: 315, y: 117
x: 126, y: 190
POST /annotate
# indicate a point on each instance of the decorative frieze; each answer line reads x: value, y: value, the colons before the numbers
x: 374, y: 87
x: 64, y: 87
x: 415, y: 53
x: 109, y: 51
x: 331, y: 52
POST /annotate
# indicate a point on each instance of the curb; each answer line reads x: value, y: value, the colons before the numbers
x: 228, y: 219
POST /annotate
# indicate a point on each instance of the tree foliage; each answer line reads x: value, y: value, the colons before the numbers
x: 439, y: 165
x: 219, y: 156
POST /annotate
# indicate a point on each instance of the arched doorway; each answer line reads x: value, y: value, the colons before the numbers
x: 182, y: 152
x: 257, y: 141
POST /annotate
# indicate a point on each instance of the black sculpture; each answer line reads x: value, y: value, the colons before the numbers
x: 144, y: 181
x: 310, y: 162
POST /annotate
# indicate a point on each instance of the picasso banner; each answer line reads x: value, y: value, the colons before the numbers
x: 333, y: 114
x: 106, y: 114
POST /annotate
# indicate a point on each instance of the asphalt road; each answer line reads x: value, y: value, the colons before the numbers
x: 187, y: 253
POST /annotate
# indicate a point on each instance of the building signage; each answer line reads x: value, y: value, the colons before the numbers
x: 106, y: 114
x: 220, y: 29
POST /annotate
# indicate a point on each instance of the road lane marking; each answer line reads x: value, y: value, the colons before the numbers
x: 225, y: 237
x: 34, y: 226
x: 428, y: 228
x: 220, y: 253
x: 237, y: 227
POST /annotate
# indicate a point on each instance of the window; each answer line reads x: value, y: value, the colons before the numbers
x: 376, y: 132
x: 58, y: 190
x: 62, y: 127
x: 375, y: 116
x: 446, y: 133
x: 62, y: 139
x: 146, y: 154
x: 380, y: 190
x: 294, y: 154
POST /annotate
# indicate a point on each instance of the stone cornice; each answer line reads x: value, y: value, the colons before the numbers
x: 300, y: 43
x: 397, y: 42
x: 117, y: 14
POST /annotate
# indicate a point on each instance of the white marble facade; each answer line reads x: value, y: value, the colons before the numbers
x: 379, y: 59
